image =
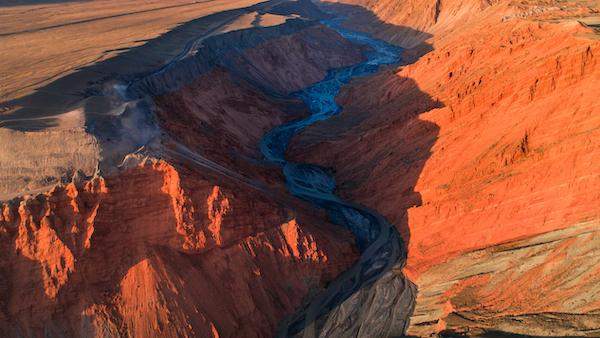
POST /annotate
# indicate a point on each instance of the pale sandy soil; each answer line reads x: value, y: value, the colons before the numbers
x: 254, y: 19
x: 40, y: 43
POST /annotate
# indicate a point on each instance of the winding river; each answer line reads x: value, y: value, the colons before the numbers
x: 378, y: 241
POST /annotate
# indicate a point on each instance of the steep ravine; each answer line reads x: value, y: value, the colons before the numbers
x: 379, y: 241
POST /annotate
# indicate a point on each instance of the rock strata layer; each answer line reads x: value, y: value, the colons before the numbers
x: 484, y: 153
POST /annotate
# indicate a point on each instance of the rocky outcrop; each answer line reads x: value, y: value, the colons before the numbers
x: 283, y: 65
x: 164, y: 247
x: 158, y: 251
x: 544, y: 285
x: 483, y: 153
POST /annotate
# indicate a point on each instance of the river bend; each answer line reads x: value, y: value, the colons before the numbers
x: 378, y: 241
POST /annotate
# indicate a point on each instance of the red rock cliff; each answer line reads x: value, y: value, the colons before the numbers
x: 484, y: 152
x: 158, y: 251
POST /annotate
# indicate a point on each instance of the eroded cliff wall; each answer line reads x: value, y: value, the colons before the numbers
x: 484, y: 153
x: 159, y: 251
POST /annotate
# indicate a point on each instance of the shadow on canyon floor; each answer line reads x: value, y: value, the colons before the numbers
x: 380, y: 112
x: 379, y: 131
x: 365, y: 141
x: 360, y: 148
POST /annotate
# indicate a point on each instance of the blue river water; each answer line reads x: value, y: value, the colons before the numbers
x: 311, y: 182
x: 379, y: 242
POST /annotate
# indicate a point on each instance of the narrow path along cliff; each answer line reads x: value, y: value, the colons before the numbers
x: 379, y: 241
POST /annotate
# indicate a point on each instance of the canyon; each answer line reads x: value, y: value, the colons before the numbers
x: 350, y: 168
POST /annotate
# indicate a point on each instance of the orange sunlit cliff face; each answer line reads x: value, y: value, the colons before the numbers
x: 147, y: 188
x: 492, y: 175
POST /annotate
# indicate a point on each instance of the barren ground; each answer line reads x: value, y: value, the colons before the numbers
x: 42, y: 42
